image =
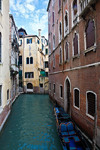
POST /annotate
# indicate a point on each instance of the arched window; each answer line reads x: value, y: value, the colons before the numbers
x: 31, y: 60
x: 75, y: 44
x: 90, y: 34
x: 27, y: 60
x: 66, y: 20
x: 75, y: 7
x: 66, y: 50
x: 76, y: 98
x: 91, y: 98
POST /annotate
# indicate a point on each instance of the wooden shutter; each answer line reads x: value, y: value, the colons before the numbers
x: 66, y: 49
x: 91, y: 103
x: 75, y: 44
x: 76, y: 93
x: 90, y: 34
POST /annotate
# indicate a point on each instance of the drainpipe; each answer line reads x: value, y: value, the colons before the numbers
x: 62, y: 33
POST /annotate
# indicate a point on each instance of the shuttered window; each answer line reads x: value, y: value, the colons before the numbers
x: 90, y: 34
x: 91, y: 103
x: 66, y: 51
x: 75, y: 44
x: 76, y: 97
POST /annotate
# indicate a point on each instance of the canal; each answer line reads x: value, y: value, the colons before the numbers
x: 31, y: 125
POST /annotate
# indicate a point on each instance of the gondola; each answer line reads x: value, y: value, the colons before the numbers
x: 70, y: 136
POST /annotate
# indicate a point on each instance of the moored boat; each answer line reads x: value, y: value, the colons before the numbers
x: 71, y: 138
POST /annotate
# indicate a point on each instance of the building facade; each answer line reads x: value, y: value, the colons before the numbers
x: 31, y: 60
x: 4, y: 57
x: 14, y: 57
x: 74, y: 62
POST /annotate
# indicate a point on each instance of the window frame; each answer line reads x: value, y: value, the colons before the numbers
x: 75, y: 55
x: 66, y: 28
x: 60, y: 55
x: 87, y: 104
x: 66, y: 42
x: 60, y: 32
x: 85, y: 39
x: 74, y: 98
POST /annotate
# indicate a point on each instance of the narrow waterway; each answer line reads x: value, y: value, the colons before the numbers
x: 31, y: 125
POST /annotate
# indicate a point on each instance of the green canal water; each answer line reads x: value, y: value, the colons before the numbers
x: 31, y: 125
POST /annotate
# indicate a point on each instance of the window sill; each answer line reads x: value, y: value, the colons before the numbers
x: 93, y: 48
x: 90, y: 116
x: 76, y: 56
x: 66, y: 61
x: 76, y: 107
x: 60, y: 64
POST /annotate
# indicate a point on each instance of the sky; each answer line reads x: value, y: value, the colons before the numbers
x: 30, y: 15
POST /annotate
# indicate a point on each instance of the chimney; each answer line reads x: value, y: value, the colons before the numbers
x: 39, y: 32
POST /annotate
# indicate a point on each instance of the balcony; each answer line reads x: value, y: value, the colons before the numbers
x: 15, y: 44
x: 14, y: 70
x: 86, y: 6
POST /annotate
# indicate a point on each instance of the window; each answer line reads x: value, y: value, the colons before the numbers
x: 46, y: 64
x: 66, y: 51
x: 60, y: 31
x: 38, y: 41
x: 29, y: 74
x: 60, y: 56
x: 31, y: 60
x: 27, y: 60
x: 66, y: 20
x: 29, y: 41
x: 90, y: 34
x: 46, y: 74
x: 53, y: 41
x: 0, y: 95
x: 20, y: 60
x: 0, y: 5
x: 42, y: 47
x: 75, y: 44
x: 53, y: 17
x: 75, y: 7
x: 46, y: 51
x: 7, y: 94
x: 76, y: 98
x: 20, y: 42
x: 61, y: 91
x: 59, y: 4
x: 50, y: 86
x: 0, y: 47
x: 54, y: 88
x: 53, y: 60
x: 41, y: 85
x: 91, y: 98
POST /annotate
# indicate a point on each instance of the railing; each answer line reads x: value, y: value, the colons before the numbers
x: 85, y: 4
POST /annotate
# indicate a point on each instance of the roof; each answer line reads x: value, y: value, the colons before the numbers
x: 31, y: 36
x: 21, y: 29
x: 48, y: 5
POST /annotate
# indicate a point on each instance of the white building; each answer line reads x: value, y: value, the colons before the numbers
x: 4, y: 54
